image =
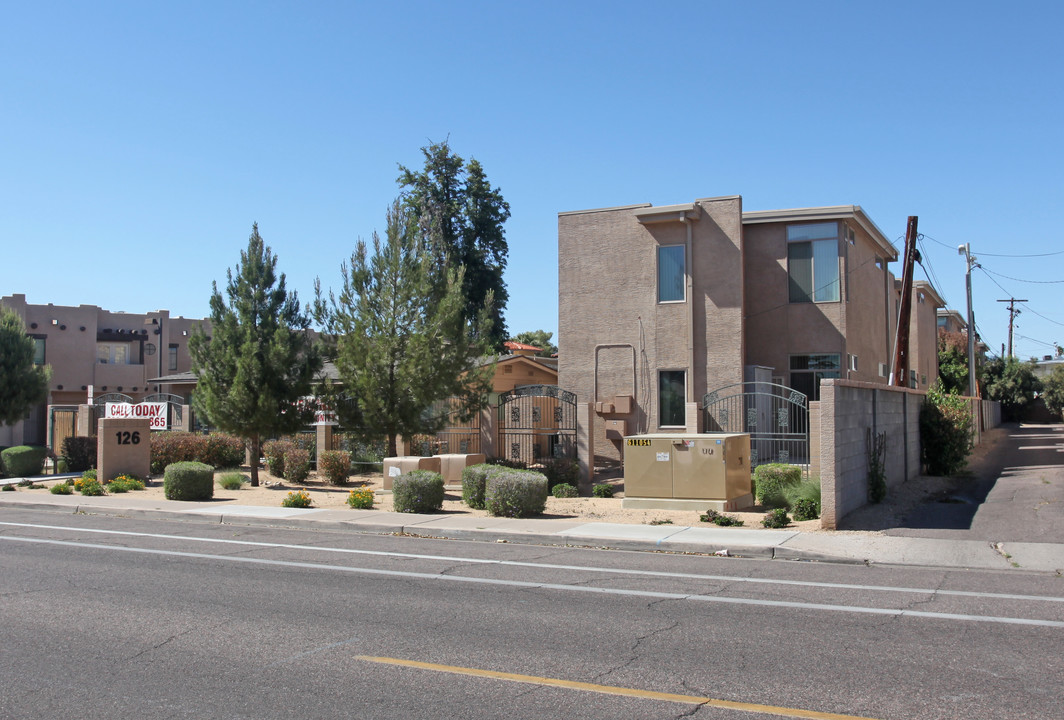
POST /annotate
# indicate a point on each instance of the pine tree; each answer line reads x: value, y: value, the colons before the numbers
x: 464, y: 215
x: 22, y: 383
x: 259, y: 359
x: 399, y: 338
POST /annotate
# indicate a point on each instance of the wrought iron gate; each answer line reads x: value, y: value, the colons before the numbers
x: 776, y: 416
x: 536, y: 423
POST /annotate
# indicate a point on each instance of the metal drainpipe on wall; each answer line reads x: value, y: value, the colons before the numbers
x: 689, y: 250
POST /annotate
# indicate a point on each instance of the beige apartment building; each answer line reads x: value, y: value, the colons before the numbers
x: 111, y: 352
x: 659, y: 306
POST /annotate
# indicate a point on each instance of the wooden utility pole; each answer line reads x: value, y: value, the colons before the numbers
x: 1013, y: 312
x: 900, y: 370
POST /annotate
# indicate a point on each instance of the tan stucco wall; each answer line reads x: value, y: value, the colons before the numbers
x: 608, y: 300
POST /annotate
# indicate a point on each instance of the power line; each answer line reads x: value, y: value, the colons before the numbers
x: 1035, y: 255
x: 1036, y: 282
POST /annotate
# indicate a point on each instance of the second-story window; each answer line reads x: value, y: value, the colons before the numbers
x: 671, y: 273
x: 38, y: 349
x: 172, y: 358
x: 813, y: 262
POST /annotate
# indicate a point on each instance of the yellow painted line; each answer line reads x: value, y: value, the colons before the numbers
x: 613, y: 690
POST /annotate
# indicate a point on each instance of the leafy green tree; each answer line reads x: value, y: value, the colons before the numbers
x: 259, y: 359
x: 455, y: 205
x: 953, y: 362
x: 399, y: 337
x: 538, y: 338
x: 1012, y: 383
x: 22, y: 383
x: 946, y: 437
x: 1053, y: 391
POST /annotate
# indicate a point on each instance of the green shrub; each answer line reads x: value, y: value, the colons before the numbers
x: 805, y: 490
x: 561, y: 471
x: 92, y: 487
x: 718, y: 518
x: 565, y: 490
x: 771, y: 482
x: 80, y: 453
x: 777, y: 518
x: 515, y: 493
x: 7, y: 488
x: 231, y: 481
x: 188, y: 481
x: 361, y: 498
x: 61, y: 489
x: 603, y: 490
x: 945, y: 431
x: 220, y: 450
x: 89, y: 474
x: 24, y: 460
x: 117, y: 486
x: 335, y: 466
x: 806, y: 510
x: 504, y: 462
x: 275, y: 451
x: 418, y: 491
x: 296, y: 465
x: 62, y: 467
x: 474, y: 483
x: 297, y: 499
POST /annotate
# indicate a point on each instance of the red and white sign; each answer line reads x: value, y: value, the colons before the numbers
x: 154, y: 412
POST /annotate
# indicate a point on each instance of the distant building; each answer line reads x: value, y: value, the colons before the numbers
x: 111, y: 352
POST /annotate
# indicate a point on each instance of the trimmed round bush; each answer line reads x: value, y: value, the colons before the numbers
x: 80, y: 453
x: 772, y: 481
x: 188, y: 481
x: 335, y: 466
x: 515, y: 493
x: 23, y: 460
x: 602, y: 490
x: 776, y: 519
x: 564, y: 490
x: 474, y: 483
x: 418, y: 491
x: 296, y: 465
x: 221, y: 451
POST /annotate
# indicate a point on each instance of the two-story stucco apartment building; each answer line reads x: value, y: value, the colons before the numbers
x: 660, y: 305
x: 114, y: 352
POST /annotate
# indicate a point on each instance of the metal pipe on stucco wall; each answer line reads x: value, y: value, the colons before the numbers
x: 689, y: 273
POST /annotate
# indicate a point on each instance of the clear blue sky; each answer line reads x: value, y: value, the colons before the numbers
x: 140, y: 140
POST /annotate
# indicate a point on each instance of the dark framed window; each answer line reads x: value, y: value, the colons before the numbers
x: 808, y: 370
x: 813, y: 262
x: 672, y: 279
x: 172, y: 357
x: 38, y: 349
x: 672, y: 398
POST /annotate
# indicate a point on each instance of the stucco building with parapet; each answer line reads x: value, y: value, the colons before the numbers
x: 660, y: 305
x: 111, y: 352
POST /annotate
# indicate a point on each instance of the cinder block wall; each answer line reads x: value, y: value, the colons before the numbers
x: 848, y: 411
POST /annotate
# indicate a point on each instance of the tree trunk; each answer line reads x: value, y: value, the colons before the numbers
x: 393, y: 447
x: 255, y: 451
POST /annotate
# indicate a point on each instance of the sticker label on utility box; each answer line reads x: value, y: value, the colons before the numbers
x: 663, y: 457
x: 637, y: 442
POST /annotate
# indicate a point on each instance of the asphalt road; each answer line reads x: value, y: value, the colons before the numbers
x: 121, y: 618
x: 1016, y: 495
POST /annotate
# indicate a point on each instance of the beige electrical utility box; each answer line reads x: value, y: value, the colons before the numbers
x: 703, y: 467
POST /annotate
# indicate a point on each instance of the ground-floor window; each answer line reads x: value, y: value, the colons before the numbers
x: 808, y: 370
x: 672, y: 396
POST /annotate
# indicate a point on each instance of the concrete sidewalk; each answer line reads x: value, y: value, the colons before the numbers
x: 847, y: 547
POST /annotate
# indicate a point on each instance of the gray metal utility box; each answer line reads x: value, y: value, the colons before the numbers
x: 712, y: 467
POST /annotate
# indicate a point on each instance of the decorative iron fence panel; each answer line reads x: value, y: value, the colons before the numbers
x: 173, y: 407
x: 537, y: 423
x: 775, y: 416
x: 457, y: 436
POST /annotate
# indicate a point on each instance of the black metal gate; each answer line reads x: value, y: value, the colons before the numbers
x: 775, y: 416
x: 536, y: 423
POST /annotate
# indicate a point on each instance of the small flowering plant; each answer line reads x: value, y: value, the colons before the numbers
x: 361, y: 499
x: 125, y: 482
x: 297, y: 499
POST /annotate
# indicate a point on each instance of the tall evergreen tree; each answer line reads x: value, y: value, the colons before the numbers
x: 22, y: 383
x: 259, y: 359
x: 456, y: 205
x: 399, y: 337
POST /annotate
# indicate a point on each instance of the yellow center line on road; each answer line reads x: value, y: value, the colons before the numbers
x: 613, y: 690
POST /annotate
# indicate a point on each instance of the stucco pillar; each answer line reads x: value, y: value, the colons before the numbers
x: 186, y: 419
x: 585, y: 444
x: 488, y: 425
x: 828, y: 496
